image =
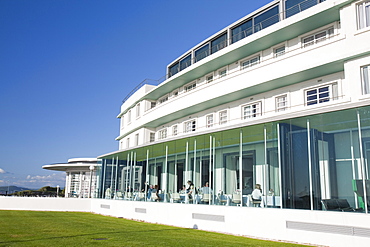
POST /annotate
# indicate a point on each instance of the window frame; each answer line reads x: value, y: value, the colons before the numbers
x: 365, y: 79
x: 222, y: 72
x: 362, y: 21
x: 190, y: 126
x: 209, y: 120
x: 332, y: 91
x: 162, y: 134
x: 250, y: 62
x: 175, y: 130
x: 258, y: 113
x: 191, y: 86
x: 277, y: 102
x: 152, y: 137
x: 315, y: 38
x: 138, y: 110
x: 209, y: 78
x: 222, y: 117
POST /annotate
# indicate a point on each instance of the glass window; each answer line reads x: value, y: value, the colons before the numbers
x: 138, y: 110
x: 318, y: 37
x: 129, y: 116
x: 223, y: 117
x: 219, y: 43
x: 164, y: 99
x: 190, y: 126
x: 321, y: 94
x: 162, y: 134
x: 293, y: 7
x: 190, y: 87
x: 185, y: 62
x: 279, y: 51
x: 252, y: 110
x: 174, y: 69
x: 127, y: 142
x: 266, y: 19
x: 152, y: 104
x: 209, y: 78
x: 365, y: 80
x: 222, y: 73
x: 152, y: 137
x: 122, y: 122
x: 174, y: 130
x: 209, y: 119
x: 201, y: 53
x: 136, y: 139
x: 241, y: 31
x: 281, y: 103
x: 363, y: 14
x: 250, y: 62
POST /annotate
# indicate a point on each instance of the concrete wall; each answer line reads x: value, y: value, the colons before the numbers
x: 301, y: 226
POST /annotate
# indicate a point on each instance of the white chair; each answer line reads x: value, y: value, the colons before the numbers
x: 140, y: 196
x: 236, y: 198
x: 206, y: 198
x: 155, y: 197
x: 175, y: 197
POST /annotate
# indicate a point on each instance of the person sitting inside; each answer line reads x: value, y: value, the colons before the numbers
x: 257, y: 195
x: 190, y: 190
x: 206, y: 189
x: 156, y: 191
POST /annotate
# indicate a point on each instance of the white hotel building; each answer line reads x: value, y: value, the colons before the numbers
x: 280, y: 98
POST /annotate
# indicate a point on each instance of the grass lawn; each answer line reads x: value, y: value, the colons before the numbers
x: 33, y: 228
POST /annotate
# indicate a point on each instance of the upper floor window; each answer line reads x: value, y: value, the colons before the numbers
x: 209, y: 119
x: 138, y: 110
x: 279, y: 51
x: 127, y: 142
x: 293, y: 7
x: 162, y: 133
x: 365, y: 79
x: 363, y: 14
x: 241, y: 31
x: 179, y: 65
x: 129, y: 116
x: 252, y: 110
x: 163, y: 99
x: 281, y: 103
x: 321, y: 94
x: 190, y: 126
x: 317, y: 37
x: 223, y: 117
x: 122, y: 122
x: 201, y: 53
x: 222, y: 73
x: 190, y: 87
x: 136, y: 139
x: 151, y: 137
x: 174, y: 130
x: 251, y: 62
x: 209, y: 78
x: 152, y: 104
x: 219, y: 43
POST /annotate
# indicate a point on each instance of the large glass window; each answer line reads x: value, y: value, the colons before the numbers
x: 241, y: 31
x: 201, y: 53
x: 317, y: 37
x: 363, y: 14
x: 266, y: 19
x: 219, y: 43
x: 293, y: 7
x: 180, y: 65
x: 250, y: 62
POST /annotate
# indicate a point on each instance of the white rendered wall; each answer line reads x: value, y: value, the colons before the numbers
x: 321, y: 228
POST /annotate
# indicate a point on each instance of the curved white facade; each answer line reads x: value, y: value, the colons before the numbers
x: 280, y: 98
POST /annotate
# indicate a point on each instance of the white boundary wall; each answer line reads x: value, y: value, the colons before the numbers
x: 301, y: 226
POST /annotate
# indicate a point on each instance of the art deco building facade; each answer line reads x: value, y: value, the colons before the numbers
x: 280, y: 98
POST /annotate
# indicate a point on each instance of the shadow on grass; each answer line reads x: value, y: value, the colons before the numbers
x: 89, y: 234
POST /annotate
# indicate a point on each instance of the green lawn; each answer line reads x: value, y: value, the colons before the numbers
x: 33, y: 228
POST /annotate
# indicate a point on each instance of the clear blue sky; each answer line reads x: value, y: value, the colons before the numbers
x: 66, y: 65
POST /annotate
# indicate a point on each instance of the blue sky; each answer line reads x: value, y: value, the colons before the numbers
x: 65, y: 67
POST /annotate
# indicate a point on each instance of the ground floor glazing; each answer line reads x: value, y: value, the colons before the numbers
x: 316, y: 162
